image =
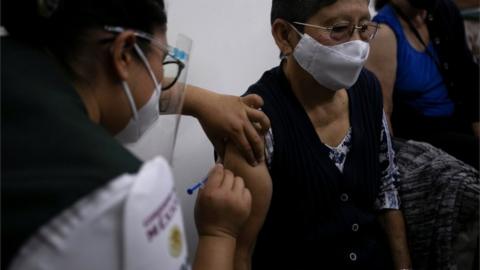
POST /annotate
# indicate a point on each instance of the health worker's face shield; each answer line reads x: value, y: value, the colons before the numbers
x: 171, y: 89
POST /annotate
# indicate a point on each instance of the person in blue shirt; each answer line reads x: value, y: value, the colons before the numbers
x: 429, y: 79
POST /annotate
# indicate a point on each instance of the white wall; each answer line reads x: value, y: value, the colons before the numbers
x: 232, y: 48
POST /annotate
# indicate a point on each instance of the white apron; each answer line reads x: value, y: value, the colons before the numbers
x: 133, y: 223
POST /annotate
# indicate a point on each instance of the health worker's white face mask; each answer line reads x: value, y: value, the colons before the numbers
x: 144, y: 118
x: 334, y: 67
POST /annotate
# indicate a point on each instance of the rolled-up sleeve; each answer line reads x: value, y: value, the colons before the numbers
x: 388, y: 197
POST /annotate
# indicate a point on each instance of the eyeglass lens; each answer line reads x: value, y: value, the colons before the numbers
x: 171, y: 73
x: 344, y: 32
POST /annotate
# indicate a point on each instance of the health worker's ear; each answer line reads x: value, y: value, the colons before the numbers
x: 123, y: 54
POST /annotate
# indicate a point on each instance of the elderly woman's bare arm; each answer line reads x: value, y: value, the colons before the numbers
x: 393, y: 223
x: 258, y: 181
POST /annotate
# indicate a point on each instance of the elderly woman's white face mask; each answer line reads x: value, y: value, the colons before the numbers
x: 334, y: 67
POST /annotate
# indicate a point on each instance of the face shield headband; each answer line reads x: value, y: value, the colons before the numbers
x: 171, y: 94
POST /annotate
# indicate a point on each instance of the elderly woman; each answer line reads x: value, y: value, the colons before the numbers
x: 326, y: 196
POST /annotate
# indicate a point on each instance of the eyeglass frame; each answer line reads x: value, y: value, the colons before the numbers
x: 168, y: 50
x: 330, y: 28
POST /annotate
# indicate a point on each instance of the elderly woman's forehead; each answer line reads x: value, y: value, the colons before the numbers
x: 343, y: 8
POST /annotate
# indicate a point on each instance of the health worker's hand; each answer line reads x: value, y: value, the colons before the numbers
x: 230, y: 118
x: 223, y: 204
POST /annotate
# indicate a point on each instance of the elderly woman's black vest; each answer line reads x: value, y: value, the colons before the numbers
x: 320, y: 218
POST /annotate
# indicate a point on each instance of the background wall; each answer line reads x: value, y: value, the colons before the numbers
x: 231, y: 50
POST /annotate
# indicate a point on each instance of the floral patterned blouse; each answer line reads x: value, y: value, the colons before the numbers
x: 388, y: 197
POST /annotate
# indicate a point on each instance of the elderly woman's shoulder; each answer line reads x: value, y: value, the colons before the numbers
x: 368, y: 86
x: 368, y: 79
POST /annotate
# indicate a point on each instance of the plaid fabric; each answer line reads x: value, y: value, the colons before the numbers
x: 440, y: 197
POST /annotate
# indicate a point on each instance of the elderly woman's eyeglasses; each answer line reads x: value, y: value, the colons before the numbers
x: 342, y: 32
x: 173, y: 64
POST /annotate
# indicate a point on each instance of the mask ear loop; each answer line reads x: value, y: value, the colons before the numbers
x: 296, y: 30
x: 285, y: 56
x: 127, y: 89
x: 158, y: 88
x: 128, y: 92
